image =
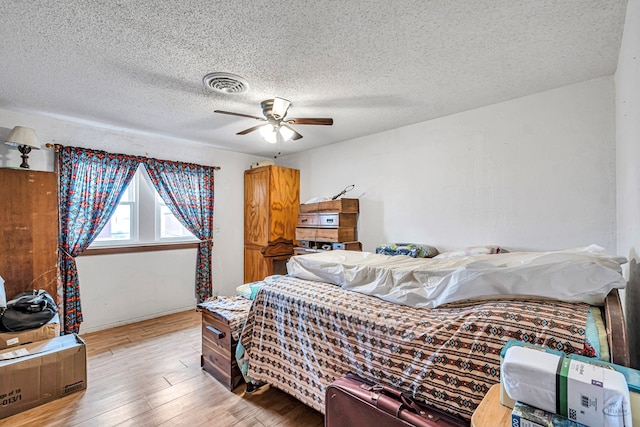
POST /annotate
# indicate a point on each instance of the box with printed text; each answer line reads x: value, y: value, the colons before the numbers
x: 36, y: 373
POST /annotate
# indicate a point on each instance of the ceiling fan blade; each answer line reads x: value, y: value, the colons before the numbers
x: 311, y: 121
x: 240, y: 115
x: 296, y: 135
x: 280, y: 107
x: 251, y: 129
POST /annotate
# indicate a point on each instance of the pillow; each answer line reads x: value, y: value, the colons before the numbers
x: 249, y: 290
x: 473, y: 250
x: 244, y: 290
x: 410, y: 249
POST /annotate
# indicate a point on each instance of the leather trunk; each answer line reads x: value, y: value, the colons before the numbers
x: 351, y: 401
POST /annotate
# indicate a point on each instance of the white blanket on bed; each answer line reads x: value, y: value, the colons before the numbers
x: 572, y: 275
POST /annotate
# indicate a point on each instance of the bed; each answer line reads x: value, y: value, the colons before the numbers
x: 304, y: 332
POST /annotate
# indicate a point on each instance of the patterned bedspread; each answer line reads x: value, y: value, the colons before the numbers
x: 233, y: 309
x: 302, y: 335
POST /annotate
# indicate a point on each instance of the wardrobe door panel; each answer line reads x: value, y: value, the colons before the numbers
x: 28, y: 230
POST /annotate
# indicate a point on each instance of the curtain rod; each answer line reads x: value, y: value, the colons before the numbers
x: 59, y: 146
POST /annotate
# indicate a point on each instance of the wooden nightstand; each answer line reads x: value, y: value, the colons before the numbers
x: 490, y: 413
x: 219, y: 350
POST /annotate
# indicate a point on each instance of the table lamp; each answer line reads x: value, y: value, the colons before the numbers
x: 25, y: 139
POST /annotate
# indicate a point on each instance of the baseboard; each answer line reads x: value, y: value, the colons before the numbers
x: 122, y: 322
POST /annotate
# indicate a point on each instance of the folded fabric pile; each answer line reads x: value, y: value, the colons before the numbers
x: 410, y: 249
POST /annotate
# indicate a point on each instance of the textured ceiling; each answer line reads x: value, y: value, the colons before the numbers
x: 372, y: 65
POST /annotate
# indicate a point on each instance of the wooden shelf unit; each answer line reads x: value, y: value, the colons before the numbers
x: 328, y: 224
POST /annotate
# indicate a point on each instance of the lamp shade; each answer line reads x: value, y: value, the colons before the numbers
x: 21, y: 135
x: 280, y: 107
x: 286, y: 133
x: 268, y: 132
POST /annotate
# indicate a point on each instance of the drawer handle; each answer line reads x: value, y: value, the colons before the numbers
x: 329, y: 220
x: 218, y: 332
x: 304, y: 220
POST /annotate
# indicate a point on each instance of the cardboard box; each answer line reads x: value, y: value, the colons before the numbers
x: 36, y: 373
x: 582, y: 392
x: 44, y: 332
x: 631, y: 376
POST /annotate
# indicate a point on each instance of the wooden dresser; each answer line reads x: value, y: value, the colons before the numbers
x: 271, y: 203
x: 328, y: 225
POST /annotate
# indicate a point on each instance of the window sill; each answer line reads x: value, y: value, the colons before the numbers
x: 139, y: 248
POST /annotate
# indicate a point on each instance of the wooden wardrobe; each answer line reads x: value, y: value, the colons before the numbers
x: 28, y: 230
x: 271, y: 204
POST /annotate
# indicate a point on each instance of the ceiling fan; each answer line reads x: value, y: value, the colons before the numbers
x: 277, y: 127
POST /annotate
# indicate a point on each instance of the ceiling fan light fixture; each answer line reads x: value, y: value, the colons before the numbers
x: 269, y: 133
x: 280, y: 107
x: 275, y: 127
x: 286, y: 133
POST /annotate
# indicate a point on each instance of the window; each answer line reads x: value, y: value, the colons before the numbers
x: 121, y: 225
x: 142, y: 217
x: 168, y: 225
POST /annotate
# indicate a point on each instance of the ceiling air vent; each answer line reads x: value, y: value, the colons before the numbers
x: 225, y: 83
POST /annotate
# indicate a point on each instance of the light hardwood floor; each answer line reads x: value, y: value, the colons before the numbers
x: 148, y: 374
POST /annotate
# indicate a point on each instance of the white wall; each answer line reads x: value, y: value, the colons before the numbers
x: 533, y: 173
x: 124, y: 288
x: 118, y: 289
x: 627, y: 81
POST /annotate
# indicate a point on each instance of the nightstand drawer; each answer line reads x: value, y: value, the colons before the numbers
x: 327, y: 220
x: 216, y: 331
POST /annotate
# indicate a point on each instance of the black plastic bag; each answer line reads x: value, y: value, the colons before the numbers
x: 28, y: 310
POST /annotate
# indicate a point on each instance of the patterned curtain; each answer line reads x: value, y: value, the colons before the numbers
x: 90, y: 186
x: 187, y: 190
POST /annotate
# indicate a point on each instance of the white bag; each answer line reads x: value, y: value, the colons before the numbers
x: 3, y: 296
